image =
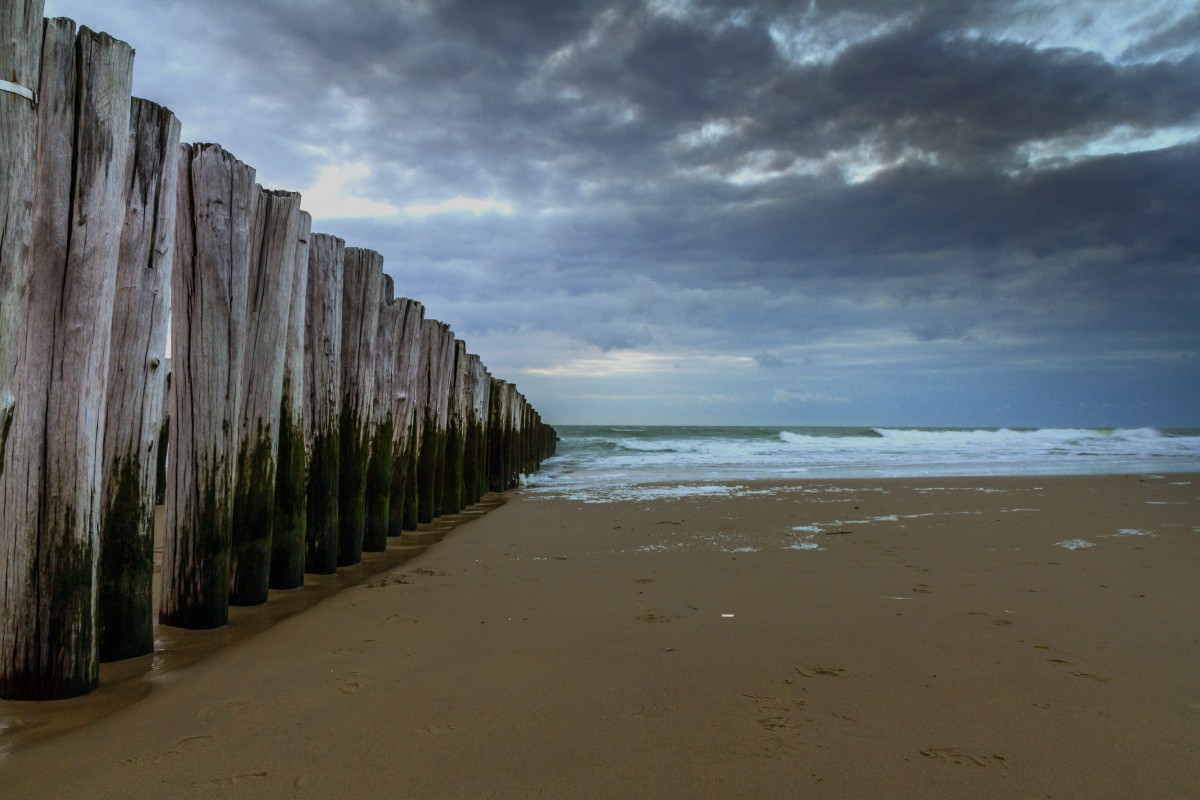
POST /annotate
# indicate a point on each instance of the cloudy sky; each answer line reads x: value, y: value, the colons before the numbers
x: 885, y: 212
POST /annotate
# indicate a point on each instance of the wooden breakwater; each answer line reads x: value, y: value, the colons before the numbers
x: 312, y: 414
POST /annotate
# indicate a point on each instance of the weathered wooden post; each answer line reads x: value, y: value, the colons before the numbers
x: 475, y: 464
x: 527, y: 465
x: 466, y: 491
x: 21, y: 30
x: 495, y: 435
x: 516, y: 407
x: 438, y: 343
x: 442, y: 396
x: 323, y: 399
x: 50, y: 481
x: 452, y: 476
x: 360, y: 320
x: 136, y: 384
x: 20, y: 66
x: 288, y: 532
x: 402, y: 502
x: 214, y: 218
x: 382, y: 420
x: 276, y: 235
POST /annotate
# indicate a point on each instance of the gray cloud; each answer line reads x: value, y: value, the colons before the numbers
x: 927, y: 187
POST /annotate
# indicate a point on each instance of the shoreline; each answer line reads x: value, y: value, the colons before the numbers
x: 936, y: 641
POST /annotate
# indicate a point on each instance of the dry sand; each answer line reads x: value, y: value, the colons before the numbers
x: 941, y: 645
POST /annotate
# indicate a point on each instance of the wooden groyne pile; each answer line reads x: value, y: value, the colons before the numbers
x: 312, y: 414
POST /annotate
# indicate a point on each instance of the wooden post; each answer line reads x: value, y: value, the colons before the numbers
x: 469, y: 465
x: 515, y: 407
x: 276, y: 235
x: 408, y: 360
x: 495, y: 435
x: 459, y: 393
x: 288, y: 533
x: 442, y: 397
x: 20, y: 63
x: 438, y: 344
x: 216, y: 199
x: 323, y: 399
x: 360, y: 319
x: 21, y: 30
x: 136, y: 383
x: 382, y: 420
x: 50, y: 486
x: 475, y: 463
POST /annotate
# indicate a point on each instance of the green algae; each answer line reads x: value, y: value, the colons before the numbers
x: 60, y: 660
x: 322, y: 520
x: 289, y: 529
x: 352, y: 487
x: 452, y: 472
x: 197, y: 595
x: 411, y: 495
x: 253, y: 519
x: 397, y: 491
x: 125, y: 575
x: 379, y: 487
x: 427, y: 471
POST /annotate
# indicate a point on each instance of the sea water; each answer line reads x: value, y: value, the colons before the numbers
x: 604, y: 459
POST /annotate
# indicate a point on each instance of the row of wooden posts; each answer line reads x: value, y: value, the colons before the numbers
x: 312, y: 414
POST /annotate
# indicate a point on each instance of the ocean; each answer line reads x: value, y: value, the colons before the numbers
x: 601, y: 462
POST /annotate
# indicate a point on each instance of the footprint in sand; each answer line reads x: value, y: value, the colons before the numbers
x: 955, y: 755
x: 223, y: 709
x: 653, y: 712
x: 351, y: 683
x: 829, y: 672
x: 186, y: 743
x: 230, y: 782
x: 189, y: 742
x: 922, y: 588
x: 388, y: 581
x: 778, y: 723
x: 1091, y: 676
x: 650, y: 616
x: 781, y: 712
x: 775, y: 703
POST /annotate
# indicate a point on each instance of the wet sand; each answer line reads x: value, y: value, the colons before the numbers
x: 906, y: 638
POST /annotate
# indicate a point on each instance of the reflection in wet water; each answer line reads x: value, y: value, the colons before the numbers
x: 23, y: 723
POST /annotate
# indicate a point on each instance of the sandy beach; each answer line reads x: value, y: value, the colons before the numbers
x: 899, y: 638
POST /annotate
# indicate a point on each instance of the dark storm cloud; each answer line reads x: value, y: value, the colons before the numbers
x: 745, y: 179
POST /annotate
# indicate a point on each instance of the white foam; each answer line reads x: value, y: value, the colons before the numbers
x: 630, y: 455
x: 1135, y: 532
x: 803, y: 546
x: 1075, y: 544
